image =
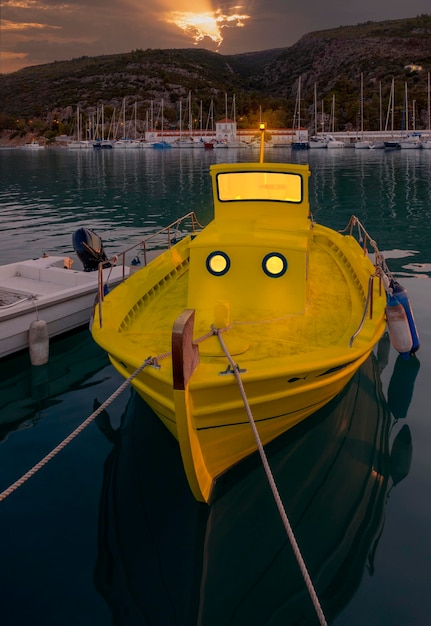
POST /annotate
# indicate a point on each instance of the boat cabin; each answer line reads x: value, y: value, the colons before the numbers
x: 258, y: 242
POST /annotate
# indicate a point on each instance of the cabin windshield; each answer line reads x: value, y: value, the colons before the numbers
x: 275, y: 186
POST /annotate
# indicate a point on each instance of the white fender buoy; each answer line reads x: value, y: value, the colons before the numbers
x: 38, y: 341
x: 398, y: 326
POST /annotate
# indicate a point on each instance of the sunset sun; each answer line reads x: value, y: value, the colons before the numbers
x: 207, y: 22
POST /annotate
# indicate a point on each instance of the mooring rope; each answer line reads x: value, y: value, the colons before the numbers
x: 46, y: 459
x: 274, y: 488
x: 31, y: 472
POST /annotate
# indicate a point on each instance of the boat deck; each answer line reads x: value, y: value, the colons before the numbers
x: 27, y: 282
x: 328, y: 319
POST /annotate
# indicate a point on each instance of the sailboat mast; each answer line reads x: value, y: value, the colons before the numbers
x: 124, y: 119
x: 429, y: 104
x: 162, y: 116
x: 78, y: 123
x: 190, y: 114
x: 299, y: 108
x: 380, y: 107
x: 333, y: 113
x: 136, y: 119
x: 406, y: 110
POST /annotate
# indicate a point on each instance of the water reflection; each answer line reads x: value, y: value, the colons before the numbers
x: 27, y: 391
x: 120, y: 193
x: 166, y: 559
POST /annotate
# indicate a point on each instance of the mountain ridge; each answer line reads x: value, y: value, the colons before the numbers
x: 267, y: 80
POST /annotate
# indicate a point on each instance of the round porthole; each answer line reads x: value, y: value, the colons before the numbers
x: 218, y: 263
x: 274, y: 264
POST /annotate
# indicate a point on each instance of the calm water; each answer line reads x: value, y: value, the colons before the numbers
x: 108, y: 533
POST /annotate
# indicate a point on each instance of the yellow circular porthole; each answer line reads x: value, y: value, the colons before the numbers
x: 274, y: 264
x: 218, y: 263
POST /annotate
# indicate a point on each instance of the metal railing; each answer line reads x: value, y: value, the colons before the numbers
x: 162, y: 239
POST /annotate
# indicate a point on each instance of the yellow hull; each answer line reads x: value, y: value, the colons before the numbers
x: 291, y: 363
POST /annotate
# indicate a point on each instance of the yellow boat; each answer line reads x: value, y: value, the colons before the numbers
x: 242, y: 330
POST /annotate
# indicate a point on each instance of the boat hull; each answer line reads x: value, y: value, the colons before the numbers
x: 214, y: 435
x: 42, y: 289
x: 290, y: 366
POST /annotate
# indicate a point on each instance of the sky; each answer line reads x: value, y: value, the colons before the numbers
x: 35, y: 32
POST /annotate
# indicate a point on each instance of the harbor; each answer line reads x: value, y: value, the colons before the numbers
x: 113, y: 509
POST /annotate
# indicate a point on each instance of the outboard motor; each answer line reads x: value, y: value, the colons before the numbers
x: 89, y: 248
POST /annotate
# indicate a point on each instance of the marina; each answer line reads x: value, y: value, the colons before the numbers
x: 352, y: 477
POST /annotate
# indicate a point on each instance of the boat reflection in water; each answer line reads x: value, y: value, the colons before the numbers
x: 166, y: 559
x: 27, y: 390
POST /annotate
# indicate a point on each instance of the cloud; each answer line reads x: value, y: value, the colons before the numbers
x: 209, y: 24
x: 42, y: 31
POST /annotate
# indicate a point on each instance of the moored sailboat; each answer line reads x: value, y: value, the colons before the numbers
x: 362, y: 144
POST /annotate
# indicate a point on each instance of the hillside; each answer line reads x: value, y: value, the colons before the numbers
x: 263, y: 81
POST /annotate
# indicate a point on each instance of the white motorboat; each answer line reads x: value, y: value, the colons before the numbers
x: 410, y: 142
x: 49, y: 290
x: 34, y: 145
x: 126, y: 144
x: 362, y: 145
x: 316, y: 142
x: 331, y: 142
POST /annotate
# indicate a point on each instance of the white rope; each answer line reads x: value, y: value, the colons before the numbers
x: 31, y: 472
x: 274, y: 489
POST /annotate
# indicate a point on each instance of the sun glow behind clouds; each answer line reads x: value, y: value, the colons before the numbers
x: 206, y: 23
x: 16, y: 26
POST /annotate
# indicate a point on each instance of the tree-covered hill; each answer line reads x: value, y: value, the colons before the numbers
x: 329, y: 62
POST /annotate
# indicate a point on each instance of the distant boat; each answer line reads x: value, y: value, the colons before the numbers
x: 362, y: 144
x: 143, y: 144
x: 392, y: 145
x: 187, y: 141
x: 220, y: 144
x: 300, y: 144
x: 332, y: 143
x: 79, y: 143
x: 34, y: 145
x: 426, y: 143
x: 410, y: 142
x: 161, y: 145
x: 183, y: 143
x: 330, y: 139
x: 103, y: 144
x: 315, y: 142
x: 127, y: 144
